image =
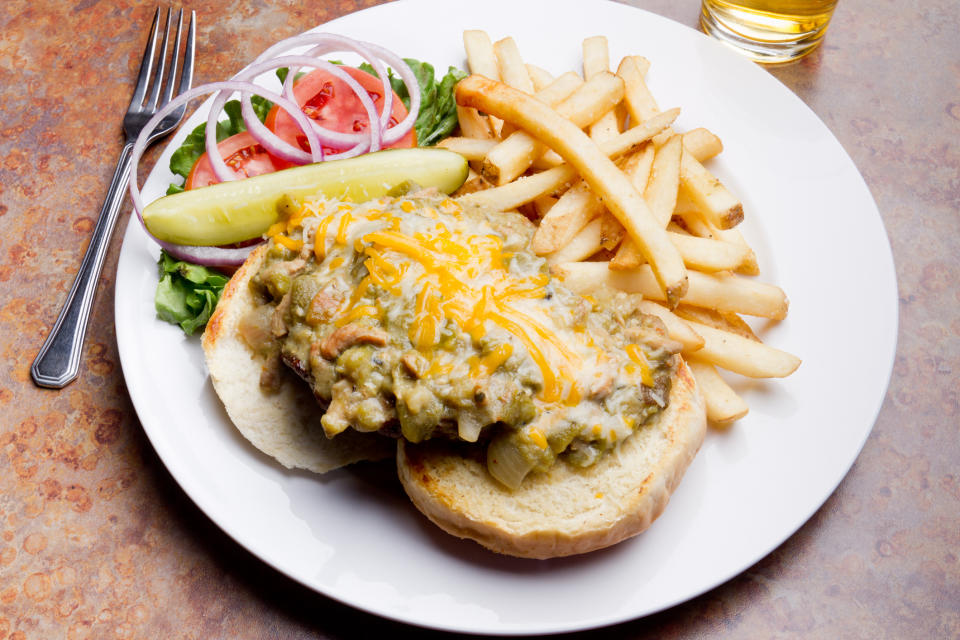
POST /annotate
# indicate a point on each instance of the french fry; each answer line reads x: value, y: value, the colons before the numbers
x: 543, y: 204
x: 708, y: 255
x: 516, y: 193
x: 513, y: 71
x: 596, y: 59
x: 470, y: 148
x: 579, y: 205
x: 721, y: 291
x: 540, y: 77
x: 725, y: 321
x: 722, y: 403
x: 583, y: 245
x: 596, y: 56
x: 604, y: 178
x: 639, y: 101
x: 677, y: 329
x: 742, y: 355
x: 612, y: 232
x: 473, y: 124
x: 482, y: 61
x: 711, y: 197
x: 560, y: 88
x: 661, y: 196
x: 513, y: 156
x: 697, y: 225
x: 573, y: 211
x: 523, y: 190
x: 702, y: 144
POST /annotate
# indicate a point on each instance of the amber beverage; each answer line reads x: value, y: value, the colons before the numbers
x: 769, y: 31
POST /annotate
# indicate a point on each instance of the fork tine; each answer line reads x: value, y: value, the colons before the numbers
x: 161, y: 64
x: 168, y: 89
x: 186, y: 77
x: 146, y: 65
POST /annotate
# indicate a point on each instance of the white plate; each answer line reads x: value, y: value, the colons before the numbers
x: 353, y: 536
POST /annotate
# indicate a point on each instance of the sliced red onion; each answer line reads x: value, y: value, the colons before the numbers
x: 279, y: 147
x: 208, y: 256
x: 317, y: 136
x: 230, y: 85
x: 328, y: 43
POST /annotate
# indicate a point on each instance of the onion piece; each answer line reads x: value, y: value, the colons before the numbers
x: 230, y: 85
x: 317, y: 136
x: 277, y: 146
x: 209, y: 256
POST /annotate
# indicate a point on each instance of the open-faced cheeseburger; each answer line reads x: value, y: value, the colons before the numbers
x: 535, y: 421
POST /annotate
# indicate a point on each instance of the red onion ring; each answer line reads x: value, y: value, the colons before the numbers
x: 208, y: 256
x: 372, y: 53
x: 317, y: 136
x: 270, y: 141
x: 211, y: 256
x: 328, y: 43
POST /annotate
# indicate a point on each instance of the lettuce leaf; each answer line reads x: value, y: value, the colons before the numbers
x: 187, y: 293
x: 438, y: 109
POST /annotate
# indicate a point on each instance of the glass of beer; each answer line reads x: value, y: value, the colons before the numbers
x: 769, y: 31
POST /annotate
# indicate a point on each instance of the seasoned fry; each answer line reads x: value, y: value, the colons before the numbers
x: 514, y: 194
x: 513, y: 71
x: 742, y: 355
x: 721, y: 291
x: 702, y: 144
x: 470, y: 148
x: 596, y: 59
x: 540, y: 77
x: 604, y: 178
x: 708, y: 255
x: 699, y: 226
x: 612, y: 232
x: 481, y: 58
x: 573, y: 211
x: 661, y: 196
x: 639, y: 101
x: 596, y: 56
x: 677, y: 329
x: 579, y: 205
x: 724, y: 321
x: 523, y: 190
x: 712, y: 199
x: 513, y: 156
x: 583, y: 245
x: 482, y: 61
x: 723, y: 404
x: 474, y: 125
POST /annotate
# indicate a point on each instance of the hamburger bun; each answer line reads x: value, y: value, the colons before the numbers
x: 566, y: 510
x: 284, y: 424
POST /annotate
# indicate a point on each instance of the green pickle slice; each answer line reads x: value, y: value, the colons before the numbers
x: 235, y: 211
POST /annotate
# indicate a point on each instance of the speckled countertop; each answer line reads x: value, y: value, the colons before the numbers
x: 98, y: 541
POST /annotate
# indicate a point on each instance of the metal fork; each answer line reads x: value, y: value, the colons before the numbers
x: 58, y: 362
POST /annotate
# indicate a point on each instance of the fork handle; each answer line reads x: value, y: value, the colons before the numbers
x: 58, y: 362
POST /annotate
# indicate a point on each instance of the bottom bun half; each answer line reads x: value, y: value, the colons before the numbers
x: 566, y: 510
x: 284, y: 424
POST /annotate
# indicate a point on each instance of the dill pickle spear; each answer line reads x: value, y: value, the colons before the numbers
x: 234, y: 211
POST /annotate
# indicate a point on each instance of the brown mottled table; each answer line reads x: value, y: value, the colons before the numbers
x: 98, y: 541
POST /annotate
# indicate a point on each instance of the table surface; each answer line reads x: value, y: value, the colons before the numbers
x: 98, y: 541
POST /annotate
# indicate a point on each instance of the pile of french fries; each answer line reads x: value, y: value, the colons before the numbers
x: 623, y: 202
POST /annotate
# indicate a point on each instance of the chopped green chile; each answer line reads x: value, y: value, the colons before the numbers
x: 419, y: 318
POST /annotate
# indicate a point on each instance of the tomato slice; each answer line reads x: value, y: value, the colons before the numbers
x: 242, y: 153
x: 333, y: 104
